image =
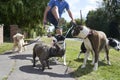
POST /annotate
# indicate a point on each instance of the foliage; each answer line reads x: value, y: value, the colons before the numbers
x: 97, y: 20
x: 27, y: 14
x: 113, y: 10
x: 106, y: 18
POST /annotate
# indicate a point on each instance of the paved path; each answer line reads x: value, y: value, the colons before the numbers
x: 18, y: 66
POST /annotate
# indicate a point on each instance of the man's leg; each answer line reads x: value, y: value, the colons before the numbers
x: 55, y: 13
x: 57, y: 17
x: 54, y: 18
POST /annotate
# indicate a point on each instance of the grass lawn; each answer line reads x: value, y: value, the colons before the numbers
x: 5, y: 47
x: 104, y: 72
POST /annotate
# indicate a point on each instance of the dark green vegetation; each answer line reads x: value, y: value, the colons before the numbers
x: 28, y: 15
x: 106, y: 18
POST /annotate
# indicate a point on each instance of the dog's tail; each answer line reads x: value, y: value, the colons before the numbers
x: 34, y: 41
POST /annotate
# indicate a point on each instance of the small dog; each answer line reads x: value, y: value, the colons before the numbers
x: 94, y: 42
x: 18, y: 42
x: 112, y: 43
x: 44, y: 52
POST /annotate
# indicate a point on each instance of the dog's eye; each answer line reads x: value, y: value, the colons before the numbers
x: 118, y: 44
x: 54, y: 41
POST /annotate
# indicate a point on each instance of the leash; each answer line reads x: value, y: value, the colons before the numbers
x: 31, y: 42
x: 67, y: 67
x: 73, y: 24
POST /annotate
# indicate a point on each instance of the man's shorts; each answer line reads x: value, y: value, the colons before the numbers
x: 52, y: 19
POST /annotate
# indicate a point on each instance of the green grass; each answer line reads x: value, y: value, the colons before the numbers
x: 104, y: 72
x: 5, y: 47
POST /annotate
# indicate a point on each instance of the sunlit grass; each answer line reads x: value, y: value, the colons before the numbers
x: 5, y: 47
x: 104, y: 72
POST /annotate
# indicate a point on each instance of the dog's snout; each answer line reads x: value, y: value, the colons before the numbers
x: 119, y: 49
x: 73, y: 33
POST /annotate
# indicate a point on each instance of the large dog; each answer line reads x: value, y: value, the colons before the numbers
x: 94, y: 42
x: 18, y: 42
x: 44, y: 52
x: 112, y: 44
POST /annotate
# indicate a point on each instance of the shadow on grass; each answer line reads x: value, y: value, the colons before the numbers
x: 79, y: 72
x: 79, y: 60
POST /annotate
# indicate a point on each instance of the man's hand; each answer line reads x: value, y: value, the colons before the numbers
x: 73, y: 21
x: 44, y: 21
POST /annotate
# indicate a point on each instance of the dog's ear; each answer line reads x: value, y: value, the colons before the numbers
x: 63, y: 37
x: 110, y: 39
x: 80, y: 27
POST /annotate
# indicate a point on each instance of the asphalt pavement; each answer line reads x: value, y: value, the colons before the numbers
x: 18, y: 66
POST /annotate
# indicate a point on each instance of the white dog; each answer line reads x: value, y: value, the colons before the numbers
x: 18, y: 40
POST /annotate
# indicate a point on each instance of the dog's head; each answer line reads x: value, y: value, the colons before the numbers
x: 114, y: 43
x: 59, y: 40
x: 80, y: 31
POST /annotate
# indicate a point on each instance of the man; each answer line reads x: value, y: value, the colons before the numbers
x: 54, y: 12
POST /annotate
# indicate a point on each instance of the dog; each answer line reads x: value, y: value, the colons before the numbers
x: 94, y: 42
x: 18, y: 42
x: 112, y: 43
x: 44, y: 52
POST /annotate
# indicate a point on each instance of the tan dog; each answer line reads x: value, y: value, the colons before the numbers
x: 18, y: 41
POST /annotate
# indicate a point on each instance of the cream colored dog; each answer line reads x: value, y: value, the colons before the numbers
x: 18, y: 40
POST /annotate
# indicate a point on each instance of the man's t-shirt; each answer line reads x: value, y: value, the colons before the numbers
x: 60, y: 4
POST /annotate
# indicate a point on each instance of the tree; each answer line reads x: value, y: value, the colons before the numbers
x: 106, y: 18
x: 27, y: 14
x: 113, y: 10
x: 97, y: 20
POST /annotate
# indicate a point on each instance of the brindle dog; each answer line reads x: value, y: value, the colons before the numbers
x: 44, y: 52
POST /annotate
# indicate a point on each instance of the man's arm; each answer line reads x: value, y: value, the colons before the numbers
x: 70, y: 15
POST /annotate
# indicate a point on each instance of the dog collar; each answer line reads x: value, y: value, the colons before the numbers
x: 88, y: 34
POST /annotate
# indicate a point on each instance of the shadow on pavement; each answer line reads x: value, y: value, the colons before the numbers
x: 36, y: 70
x: 22, y: 56
x: 9, y: 52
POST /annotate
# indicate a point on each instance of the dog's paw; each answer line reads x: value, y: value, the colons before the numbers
x: 19, y: 51
x: 33, y: 65
x: 49, y: 68
x: 109, y: 63
x: 83, y: 66
x: 43, y: 69
x: 92, y: 63
x: 95, y: 68
x: 65, y: 64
